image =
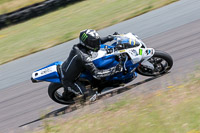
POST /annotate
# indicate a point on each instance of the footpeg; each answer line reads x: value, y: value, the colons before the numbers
x: 94, y: 97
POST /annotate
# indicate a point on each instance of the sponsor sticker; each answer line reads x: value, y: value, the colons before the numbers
x: 140, y: 51
x: 122, y: 51
x: 84, y: 37
x: 133, y: 52
x: 148, y: 51
x: 46, y: 70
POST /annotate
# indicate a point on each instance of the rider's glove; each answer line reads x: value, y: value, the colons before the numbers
x: 119, y: 46
x: 109, y: 50
x: 118, y: 68
x: 116, y: 33
x: 110, y: 37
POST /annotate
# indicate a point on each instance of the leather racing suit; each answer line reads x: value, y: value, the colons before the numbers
x: 79, y: 60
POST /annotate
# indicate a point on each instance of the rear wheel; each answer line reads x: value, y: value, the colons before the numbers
x: 162, y: 63
x: 56, y: 93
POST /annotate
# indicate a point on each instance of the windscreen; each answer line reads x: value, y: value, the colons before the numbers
x: 125, y: 40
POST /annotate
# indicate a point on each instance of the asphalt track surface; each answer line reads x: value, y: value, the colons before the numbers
x: 174, y: 28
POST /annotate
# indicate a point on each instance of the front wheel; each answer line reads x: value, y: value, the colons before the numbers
x: 56, y: 93
x: 162, y: 63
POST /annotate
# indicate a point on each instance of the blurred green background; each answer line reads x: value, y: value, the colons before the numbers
x: 7, y: 6
x: 66, y: 23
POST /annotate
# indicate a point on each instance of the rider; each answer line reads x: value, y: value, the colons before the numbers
x: 80, y: 59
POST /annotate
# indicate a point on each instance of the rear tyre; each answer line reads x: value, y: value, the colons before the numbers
x: 56, y: 93
x: 162, y: 63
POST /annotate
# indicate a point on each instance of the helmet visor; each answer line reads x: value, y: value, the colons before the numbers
x: 94, y: 44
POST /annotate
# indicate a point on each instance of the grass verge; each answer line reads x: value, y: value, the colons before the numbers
x: 7, y: 6
x: 175, y: 109
x: 66, y: 23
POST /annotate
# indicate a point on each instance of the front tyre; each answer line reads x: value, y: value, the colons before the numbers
x: 56, y: 92
x: 162, y: 63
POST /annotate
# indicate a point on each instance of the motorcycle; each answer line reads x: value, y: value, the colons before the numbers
x: 128, y: 50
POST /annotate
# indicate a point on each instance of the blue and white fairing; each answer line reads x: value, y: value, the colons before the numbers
x: 104, y: 60
x: 48, y: 73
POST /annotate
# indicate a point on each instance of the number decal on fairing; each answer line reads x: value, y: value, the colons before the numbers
x: 133, y: 52
x: 46, y: 70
